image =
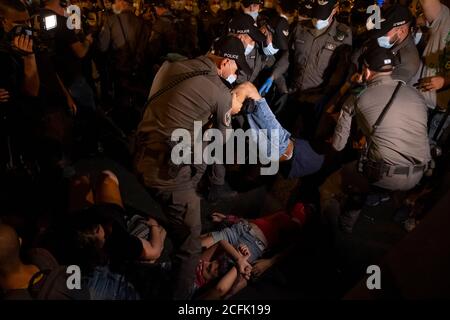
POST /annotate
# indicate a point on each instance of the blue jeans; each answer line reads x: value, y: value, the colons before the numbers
x: 263, y: 118
x: 240, y: 233
x: 105, y: 285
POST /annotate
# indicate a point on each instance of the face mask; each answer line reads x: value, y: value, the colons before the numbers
x: 215, y: 8
x: 248, y: 49
x: 231, y: 78
x: 115, y: 10
x: 253, y: 14
x: 417, y: 37
x: 384, y: 42
x: 321, y: 24
x: 270, y: 50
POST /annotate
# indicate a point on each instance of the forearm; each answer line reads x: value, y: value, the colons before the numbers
x: 228, y: 248
x: 31, y: 81
x: 156, y: 240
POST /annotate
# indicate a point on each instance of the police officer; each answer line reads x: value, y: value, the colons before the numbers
x: 397, y: 150
x: 124, y: 37
x: 185, y: 23
x: 242, y: 26
x: 163, y: 39
x: 316, y: 47
x: 211, y: 24
x: 279, y: 27
x: 394, y: 34
x: 184, y: 92
x: 251, y: 8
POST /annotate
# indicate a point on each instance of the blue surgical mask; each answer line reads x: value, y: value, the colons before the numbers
x: 384, y: 42
x: 253, y: 14
x: 270, y: 50
x: 417, y: 37
x: 248, y: 49
x: 321, y: 24
x: 231, y: 78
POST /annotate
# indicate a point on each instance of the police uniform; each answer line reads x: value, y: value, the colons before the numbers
x: 317, y: 57
x: 257, y: 62
x: 182, y: 92
x: 408, y: 60
x: 401, y: 140
x: 242, y: 23
x: 163, y: 39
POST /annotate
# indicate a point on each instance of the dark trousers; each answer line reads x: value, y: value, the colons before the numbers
x: 182, y: 209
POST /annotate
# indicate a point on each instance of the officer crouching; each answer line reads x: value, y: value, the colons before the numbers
x: 392, y: 116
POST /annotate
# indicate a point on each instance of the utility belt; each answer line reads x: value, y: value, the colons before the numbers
x: 376, y: 170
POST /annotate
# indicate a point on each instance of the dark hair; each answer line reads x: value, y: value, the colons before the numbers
x: 11, y: 5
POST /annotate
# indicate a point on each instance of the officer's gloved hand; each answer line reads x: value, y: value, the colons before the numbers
x: 266, y: 86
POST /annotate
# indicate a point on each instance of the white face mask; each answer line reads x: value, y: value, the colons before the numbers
x: 231, y: 78
x: 321, y: 24
x: 384, y: 42
x: 249, y: 48
x: 253, y: 14
x: 418, y: 37
x: 270, y: 50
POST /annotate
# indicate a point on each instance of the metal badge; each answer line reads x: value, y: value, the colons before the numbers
x: 330, y: 46
x: 227, y: 118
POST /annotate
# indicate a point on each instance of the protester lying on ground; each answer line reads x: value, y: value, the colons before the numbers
x: 245, y: 242
x: 100, y: 221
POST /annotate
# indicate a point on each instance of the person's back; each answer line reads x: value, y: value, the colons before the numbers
x: 401, y: 139
x: 127, y: 36
x: 43, y: 279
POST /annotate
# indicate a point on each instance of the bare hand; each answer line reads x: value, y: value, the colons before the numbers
x: 260, y: 266
x: 23, y: 43
x: 357, y: 78
x: 431, y: 83
x: 243, y: 249
x: 72, y: 105
x: 218, y: 217
x: 4, y: 95
x: 244, y: 267
x: 89, y: 38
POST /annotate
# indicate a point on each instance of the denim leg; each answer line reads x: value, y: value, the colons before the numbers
x: 263, y: 118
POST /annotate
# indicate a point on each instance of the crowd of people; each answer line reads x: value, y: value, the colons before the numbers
x: 356, y: 91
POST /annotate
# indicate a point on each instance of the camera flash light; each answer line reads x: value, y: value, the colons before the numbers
x: 50, y: 22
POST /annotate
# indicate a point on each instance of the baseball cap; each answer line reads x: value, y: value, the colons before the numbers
x: 322, y: 9
x: 247, y: 3
x: 244, y: 24
x: 395, y: 16
x: 379, y: 59
x: 232, y: 48
x: 279, y: 27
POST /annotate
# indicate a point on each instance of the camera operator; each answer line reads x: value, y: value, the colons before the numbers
x: 69, y: 52
x: 19, y: 80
